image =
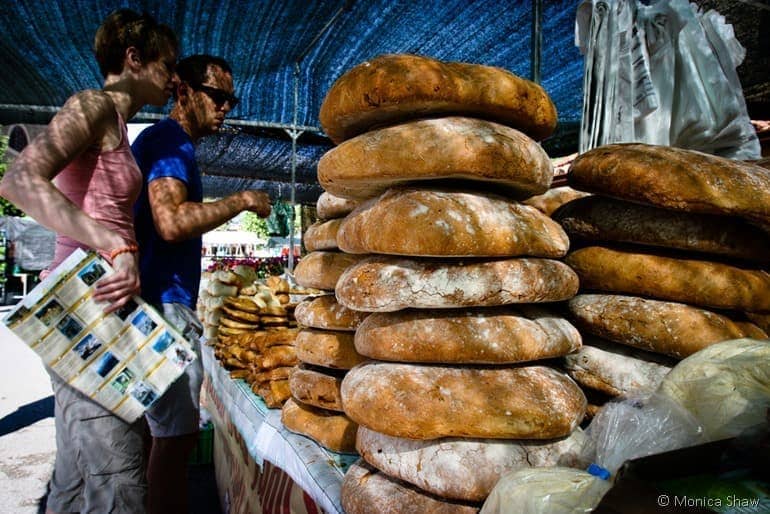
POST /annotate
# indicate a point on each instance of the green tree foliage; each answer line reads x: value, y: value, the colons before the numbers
x: 253, y: 223
x: 6, y: 207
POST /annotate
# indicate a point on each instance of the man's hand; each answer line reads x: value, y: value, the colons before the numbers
x: 118, y: 288
x: 258, y: 202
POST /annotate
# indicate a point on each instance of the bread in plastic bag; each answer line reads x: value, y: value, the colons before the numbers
x: 556, y: 490
x: 726, y: 386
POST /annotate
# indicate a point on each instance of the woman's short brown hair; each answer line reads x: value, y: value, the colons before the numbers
x: 124, y: 28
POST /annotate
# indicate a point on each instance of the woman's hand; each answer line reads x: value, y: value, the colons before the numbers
x: 118, y: 288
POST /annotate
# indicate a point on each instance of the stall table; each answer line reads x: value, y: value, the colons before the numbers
x: 260, y: 466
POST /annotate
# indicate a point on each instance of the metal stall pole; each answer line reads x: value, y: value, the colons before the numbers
x: 294, y: 134
x: 536, y: 40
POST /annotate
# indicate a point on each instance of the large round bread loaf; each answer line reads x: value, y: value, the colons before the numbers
x: 599, y: 218
x: 316, y: 389
x: 669, y: 328
x: 322, y: 235
x: 761, y: 320
x: 329, y: 206
x: 320, y: 270
x: 696, y: 282
x: 491, y: 335
x: 450, y: 223
x: 332, y: 430
x: 326, y: 313
x: 675, y: 179
x: 395, y: 87
x: 365, y: 490
x: 384, y: 284
x: 327, y: 348
x: 429, y: 402
x: 554, y: 198
x: 436, y: 149
x: 615, y: 369
x: 463, y: 469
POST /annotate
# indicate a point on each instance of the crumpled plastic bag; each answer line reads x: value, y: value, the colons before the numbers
x: 725, y: 386
x: 554, y: 490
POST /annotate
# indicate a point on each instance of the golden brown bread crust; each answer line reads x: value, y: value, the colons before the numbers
x: 451, y: 223
x: 436, y: 149
x: 326, y: 313
x: 674, y: 178
x: 489, y: 335
x: 322, y: 235
x: 554, y: 198
x: 599, y: 218
x: 365, y: 490
x: 327, y: 348
x: 695, y: 282
x: 669, y: 328
x: 428, y: 402
x: 329, y: 206
x: 386, y: 284
x: 392, y: 88
x: 316, y: 389
x: 321, y: 269
x: 761, y: 320
x: 332, y: 430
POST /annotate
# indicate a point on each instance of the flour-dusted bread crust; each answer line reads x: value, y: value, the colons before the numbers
x: 554, y: 198
x: 696, y: 282
x: 330, y: 429
x: 321, y: 269
x: 322, y: 235
x: 365, y: 490
x: 450, y: 223
x: 316, y: 389
x: 392, y: 88
x: 491, y: 335
x: 326, y: 313
x: 616, y: 369
x: 600, y: 218
x: 428, y: 402
x: 329, y: 206
x: 675, y: 179
x: 664, y: 327
x: 436, y: 149
x: 463, y: 469
x: 327, y: 348
x: 385, y: 284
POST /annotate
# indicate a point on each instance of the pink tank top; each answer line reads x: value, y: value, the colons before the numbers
x: 105, y: 184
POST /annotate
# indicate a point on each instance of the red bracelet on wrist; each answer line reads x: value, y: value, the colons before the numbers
x: 123, y: 249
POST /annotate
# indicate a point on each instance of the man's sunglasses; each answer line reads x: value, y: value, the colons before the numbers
x: 219, y: 96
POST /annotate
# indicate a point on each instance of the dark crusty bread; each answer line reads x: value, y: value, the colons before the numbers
x: 696, y: 282
x: 489, y: 335
x: 384, y: 284
x: 460, y: 468
x: 327, y: 348
x: 436, y: 149
x: 317, y: 389
x: 675, y: 179
x: 395, y: 87
x: 365, y: 490
x: 670, y: 328
x: 599, y: 218
x: 428, y: 402
x: 450, y: 223
x: 554, y: 198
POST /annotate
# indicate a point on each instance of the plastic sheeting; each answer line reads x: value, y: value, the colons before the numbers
x: 33, y: 243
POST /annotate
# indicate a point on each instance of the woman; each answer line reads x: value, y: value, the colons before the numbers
x: 99, y: 462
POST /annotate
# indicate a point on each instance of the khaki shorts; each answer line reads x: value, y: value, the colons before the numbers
x: 177, y: 412
x: 99, y: 464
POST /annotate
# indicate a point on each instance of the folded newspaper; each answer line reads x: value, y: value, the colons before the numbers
x: 124, y: 360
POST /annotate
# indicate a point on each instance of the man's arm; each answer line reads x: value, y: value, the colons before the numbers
x: 177, y: 219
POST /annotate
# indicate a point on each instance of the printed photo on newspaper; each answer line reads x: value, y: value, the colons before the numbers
x: 124, y: 360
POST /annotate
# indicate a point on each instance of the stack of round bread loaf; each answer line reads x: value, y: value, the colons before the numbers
x: 253, y: 329
x: 325, y: 342
x: 451, y: 396
x: 669, y: 259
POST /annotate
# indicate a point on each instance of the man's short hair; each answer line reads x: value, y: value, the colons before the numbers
x: 194, y: 69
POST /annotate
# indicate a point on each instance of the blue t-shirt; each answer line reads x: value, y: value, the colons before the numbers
x: 170, y: 272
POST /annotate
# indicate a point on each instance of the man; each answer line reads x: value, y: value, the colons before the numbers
x: 170, y: 218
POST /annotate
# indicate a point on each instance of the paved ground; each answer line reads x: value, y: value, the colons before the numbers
x: 27, y: 435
